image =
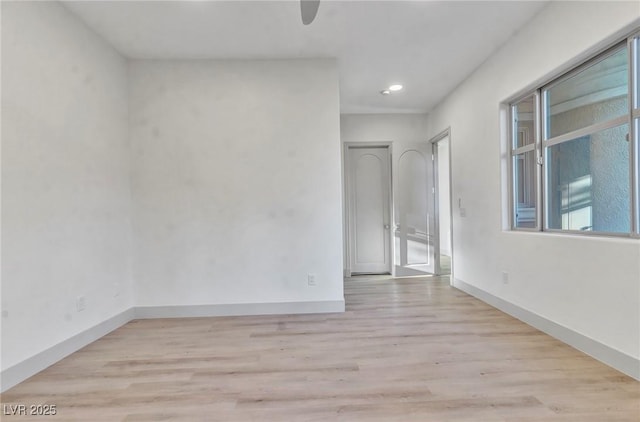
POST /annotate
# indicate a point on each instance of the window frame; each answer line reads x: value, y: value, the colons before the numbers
x: 542, y: 142
x: 633, y: 49
x: 513, y: 152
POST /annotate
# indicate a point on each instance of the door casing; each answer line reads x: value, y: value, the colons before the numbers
x: 434, y: 145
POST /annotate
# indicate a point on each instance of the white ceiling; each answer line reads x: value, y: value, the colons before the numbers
x: 428, y: 46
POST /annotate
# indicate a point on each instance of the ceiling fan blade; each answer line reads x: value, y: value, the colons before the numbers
x: 309, y: 9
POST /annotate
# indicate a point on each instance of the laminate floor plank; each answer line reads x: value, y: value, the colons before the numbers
x: 406, y: 350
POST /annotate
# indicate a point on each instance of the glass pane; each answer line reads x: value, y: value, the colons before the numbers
x: 523, y: 123
x: 588, y: 183
x: 596, y: 94
x: 524, y: 190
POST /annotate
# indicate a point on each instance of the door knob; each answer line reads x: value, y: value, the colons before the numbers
x: 386, y: 227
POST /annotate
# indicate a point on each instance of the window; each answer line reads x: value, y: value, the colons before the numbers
x: 524, y: 163
x: 584, y: 164
x: 586, y: 129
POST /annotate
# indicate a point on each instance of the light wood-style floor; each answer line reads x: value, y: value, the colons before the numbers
x: 405, y: 350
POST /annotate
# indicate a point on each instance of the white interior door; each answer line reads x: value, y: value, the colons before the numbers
x: 369, y: 194
x: 414, y: 211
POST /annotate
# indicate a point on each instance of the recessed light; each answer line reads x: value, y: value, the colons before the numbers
x: 385, y: 92
x: 396, y: 87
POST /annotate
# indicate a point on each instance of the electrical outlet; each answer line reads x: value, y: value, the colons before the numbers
x: 80, y: 304
x: 5, y: 314
x: 505, y: 277
x: 311, y: 279
x: 463, y: 212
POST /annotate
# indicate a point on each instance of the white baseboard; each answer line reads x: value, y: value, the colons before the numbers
x: 238, y: 309
x: 31, y: 366
x: 605, y: 354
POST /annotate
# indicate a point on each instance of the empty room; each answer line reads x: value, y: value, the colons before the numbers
x: 319, y: 210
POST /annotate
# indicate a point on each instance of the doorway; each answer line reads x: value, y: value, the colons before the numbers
x: 414, y: 211
x: 441, y: 146
x: 368, y: 193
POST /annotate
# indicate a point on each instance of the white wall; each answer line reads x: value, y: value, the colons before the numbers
x: 236, y: 181
x: 590, y: 285
x: 65, y: 174
x: 403, y: 130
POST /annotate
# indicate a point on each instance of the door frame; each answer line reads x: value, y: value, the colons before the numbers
x: 347, y: 196
x: 434, y: 148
